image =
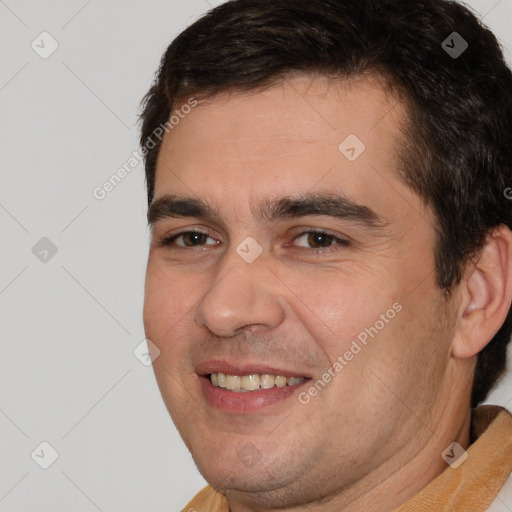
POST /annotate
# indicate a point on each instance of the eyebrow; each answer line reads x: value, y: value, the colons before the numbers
x: 270, y: 210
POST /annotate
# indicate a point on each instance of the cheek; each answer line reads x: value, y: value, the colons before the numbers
x: 166, y: 305
x: 405, y: 362
x: 337, y: 307
x: 167, y: 314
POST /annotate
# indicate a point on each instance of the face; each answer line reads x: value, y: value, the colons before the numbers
x: 289, y: 258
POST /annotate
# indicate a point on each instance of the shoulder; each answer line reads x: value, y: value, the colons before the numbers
x: 503, y: 501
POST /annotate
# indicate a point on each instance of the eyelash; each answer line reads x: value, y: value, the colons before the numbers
x: 167, y: 241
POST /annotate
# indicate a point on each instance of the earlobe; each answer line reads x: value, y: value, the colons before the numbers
x: 486, y: 290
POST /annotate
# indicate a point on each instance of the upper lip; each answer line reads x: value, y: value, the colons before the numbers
x: 241, y: 369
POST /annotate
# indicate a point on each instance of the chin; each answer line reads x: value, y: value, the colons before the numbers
x: 225, y: 472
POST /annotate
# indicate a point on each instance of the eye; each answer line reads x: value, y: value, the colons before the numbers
x: 319, y: 240
x: 187, y: 239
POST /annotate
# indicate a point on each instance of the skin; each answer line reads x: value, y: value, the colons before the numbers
x: 374, y: 436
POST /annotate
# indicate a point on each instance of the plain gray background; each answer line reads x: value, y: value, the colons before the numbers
x: 69, y: 324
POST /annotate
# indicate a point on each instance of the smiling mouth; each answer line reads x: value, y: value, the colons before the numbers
x: 253, y: 382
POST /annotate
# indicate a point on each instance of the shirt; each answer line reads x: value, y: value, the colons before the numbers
x: 482, y: 483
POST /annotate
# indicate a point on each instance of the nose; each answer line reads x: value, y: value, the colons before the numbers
x: 243, y: 295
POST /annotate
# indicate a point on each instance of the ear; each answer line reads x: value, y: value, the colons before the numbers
x: 486, y: 294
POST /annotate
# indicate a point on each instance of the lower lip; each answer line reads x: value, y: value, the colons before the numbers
x: 250, y: 401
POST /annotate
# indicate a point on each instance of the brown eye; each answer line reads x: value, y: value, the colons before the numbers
x: 193, y: 238
x: 319, y: 240
x: 187, y: 239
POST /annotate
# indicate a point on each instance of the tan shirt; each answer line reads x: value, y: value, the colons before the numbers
x: 472, y: 487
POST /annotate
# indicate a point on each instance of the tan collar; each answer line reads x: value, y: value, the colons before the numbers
x: 473, y: 486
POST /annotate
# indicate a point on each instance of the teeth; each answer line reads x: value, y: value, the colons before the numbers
x: 280, y: 381
x: 267, y: 381
x: 252, y: 382
x: 232, y: 382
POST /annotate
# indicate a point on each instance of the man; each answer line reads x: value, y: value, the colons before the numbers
x: 330, y: 274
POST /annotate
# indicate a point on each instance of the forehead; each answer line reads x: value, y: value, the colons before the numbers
x: 301, y: 135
